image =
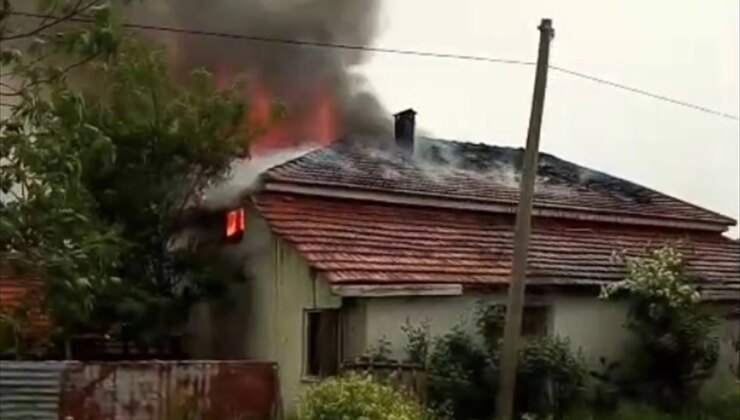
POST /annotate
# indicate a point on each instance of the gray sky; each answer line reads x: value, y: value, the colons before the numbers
x: 684, y: 49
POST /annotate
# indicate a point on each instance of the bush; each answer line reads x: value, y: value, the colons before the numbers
x: 462, y: 376
x: 418, y: 342
x: 725, y: 407
x: 551, y: 377
x: 490, y: 319
x: 676, y: 348
x: 722, y: 407
x: 358, y: 397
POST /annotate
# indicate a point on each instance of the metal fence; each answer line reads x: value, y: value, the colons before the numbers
x: 30, y: 390
x: 147, y: 390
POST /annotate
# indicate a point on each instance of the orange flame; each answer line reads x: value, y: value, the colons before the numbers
x: 314, y: 120
x: 236, y: 223
x: 312, y: 117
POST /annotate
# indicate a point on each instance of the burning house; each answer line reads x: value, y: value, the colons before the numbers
x: 346, y: 243
x: 376, y: 225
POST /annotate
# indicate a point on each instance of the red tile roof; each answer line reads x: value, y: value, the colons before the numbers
x: 22, y: 292
x: 467, y: 172
x: 360, y: 242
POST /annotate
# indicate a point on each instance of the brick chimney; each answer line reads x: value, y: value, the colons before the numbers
x: 405, y: 122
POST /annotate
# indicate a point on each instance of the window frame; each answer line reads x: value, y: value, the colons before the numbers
x: 306, y: 374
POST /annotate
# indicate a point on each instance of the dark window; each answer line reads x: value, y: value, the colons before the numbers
x: 322, y: 343
x: 534, y: 321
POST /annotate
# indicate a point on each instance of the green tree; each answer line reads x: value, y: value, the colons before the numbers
x: 169, y: 142
x: 47, y: 217
x: 101, y: 153
x: 676, y: 346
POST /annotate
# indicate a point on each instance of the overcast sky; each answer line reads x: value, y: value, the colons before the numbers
x: 684, y: 49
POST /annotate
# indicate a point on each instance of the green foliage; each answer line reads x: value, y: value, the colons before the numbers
x: 418, y: 342
x: 47, y: 216
x: 657, y: 277
x: 735, y: 365
x: 551, y: 376
x: 95, y: 176
x: 358, y: 397
x: 676, y: 348
x: 607, y: 385
x: 380, y: 351
x: 489, y: 318
x: 9, y: 336
x: 168, y: 143
x: 724, y: 407
x: 462, y: 376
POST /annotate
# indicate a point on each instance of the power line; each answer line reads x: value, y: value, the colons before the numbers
x: 645, y: 93
x: 397, y: 51
x: 296, y: 42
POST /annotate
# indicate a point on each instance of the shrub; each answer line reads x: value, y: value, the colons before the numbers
x: 607, y: 386
x: 380, y: 351
x: 551, y: 377
x: 418, y: 342
x: 462, y: 376
x: 726, y: 407
x: 722, y: 407
x: 358, y: 397
x: 490, y: 319
x: 676, y: 349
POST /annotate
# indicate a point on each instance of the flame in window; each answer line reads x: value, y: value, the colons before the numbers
x: 235, y: 224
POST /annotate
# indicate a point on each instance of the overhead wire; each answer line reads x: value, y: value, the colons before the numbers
x: 398, y: 51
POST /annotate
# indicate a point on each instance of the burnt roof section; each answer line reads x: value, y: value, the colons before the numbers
x: 551, y: 170
x: 482, y: 173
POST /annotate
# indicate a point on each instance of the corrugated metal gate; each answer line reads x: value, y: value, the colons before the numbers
x: 150, y: 390
x: 30, y: 390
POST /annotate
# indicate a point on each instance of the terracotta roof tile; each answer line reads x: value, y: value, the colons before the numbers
x: 364, y: 242
x: 485, y: 174
x: 23, y: 292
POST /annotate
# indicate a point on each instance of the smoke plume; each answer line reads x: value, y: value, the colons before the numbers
x: 297, y: 76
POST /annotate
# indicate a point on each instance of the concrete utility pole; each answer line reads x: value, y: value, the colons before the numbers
x: 514, y: 307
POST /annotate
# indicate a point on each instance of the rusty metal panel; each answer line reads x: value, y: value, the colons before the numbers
x: 159, y: 390
x: 30, y: 390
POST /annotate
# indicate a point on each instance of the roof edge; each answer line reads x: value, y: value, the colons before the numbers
x: 424, y: 201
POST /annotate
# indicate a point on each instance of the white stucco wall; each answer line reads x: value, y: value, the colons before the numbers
x: 386, y: 316
x: 594, y: 326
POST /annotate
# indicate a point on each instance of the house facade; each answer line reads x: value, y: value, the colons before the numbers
x: 347, y: 244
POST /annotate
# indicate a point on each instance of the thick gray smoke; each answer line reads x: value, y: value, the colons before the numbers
x: 292, y: 74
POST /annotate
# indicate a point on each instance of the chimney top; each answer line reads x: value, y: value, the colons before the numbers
x: 405, y: 124
x: 408, y: 113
